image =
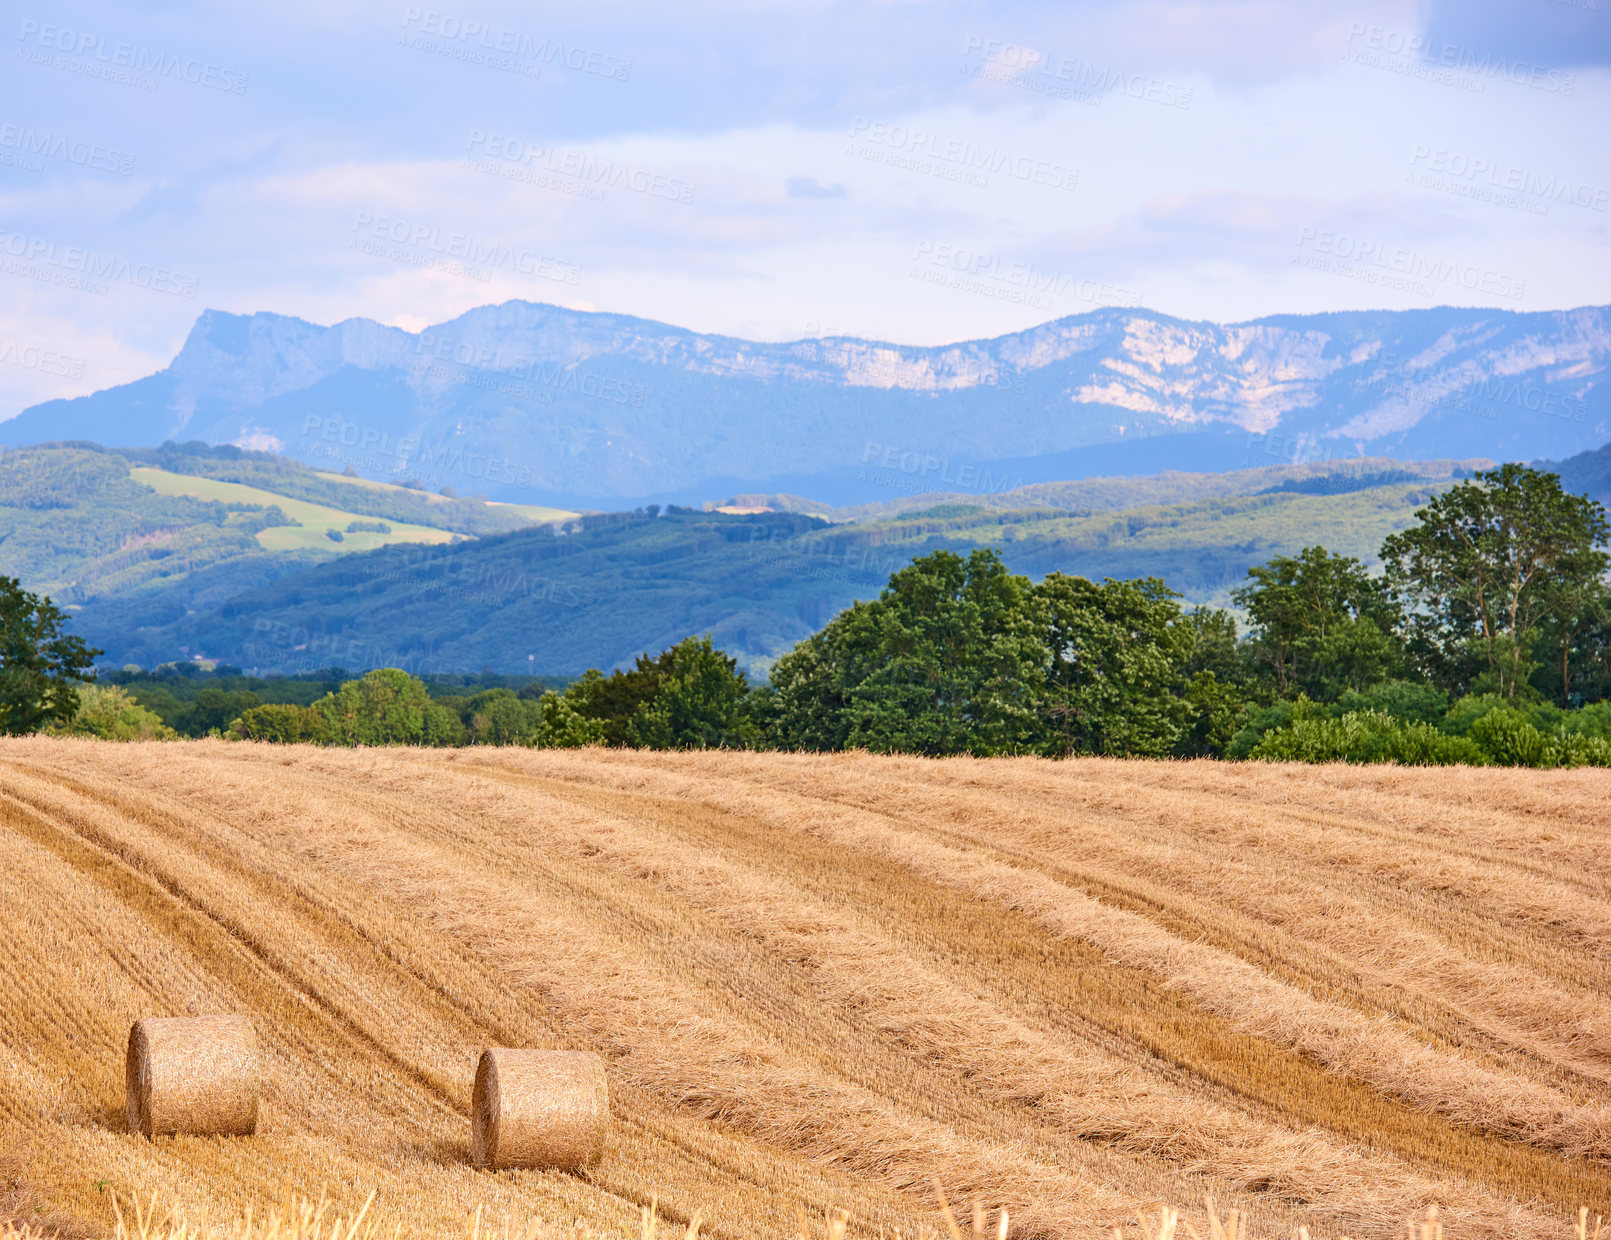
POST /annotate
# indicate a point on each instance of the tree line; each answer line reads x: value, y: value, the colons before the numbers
x: 1485, y: 638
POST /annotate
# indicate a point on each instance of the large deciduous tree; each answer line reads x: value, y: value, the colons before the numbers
x: 1574, y: 643
x: 1118, y: 651
x: 1321, y: 623
x: 948, y: 659
x: 40, y: 665
x: 690, y: 696
x: 1489, y: 562
x: 698, y: 702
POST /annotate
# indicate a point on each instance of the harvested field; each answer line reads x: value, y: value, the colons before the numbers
x: 1326, y: 995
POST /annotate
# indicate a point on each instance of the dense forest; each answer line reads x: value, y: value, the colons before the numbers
x: 1485, y: 639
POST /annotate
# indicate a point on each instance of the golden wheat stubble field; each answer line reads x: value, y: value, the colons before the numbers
x: 1324, y: 995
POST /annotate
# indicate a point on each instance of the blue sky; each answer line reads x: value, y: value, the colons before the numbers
x: 917, y: 172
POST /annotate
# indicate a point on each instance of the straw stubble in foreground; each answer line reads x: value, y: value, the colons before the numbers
x: 1325, y: 995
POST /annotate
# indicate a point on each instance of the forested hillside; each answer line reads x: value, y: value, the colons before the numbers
x: 152, y: 577
x: 619, y: 584
x: 76, y: 525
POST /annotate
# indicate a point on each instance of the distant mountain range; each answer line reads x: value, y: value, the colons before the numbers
x: 544, y: 405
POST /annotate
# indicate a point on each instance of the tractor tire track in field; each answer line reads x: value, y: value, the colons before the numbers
x: 287, y: 994
x: 817, y: 980
x: 1322, y: 971
x: 1361, y: 984
x: 1063, y: 981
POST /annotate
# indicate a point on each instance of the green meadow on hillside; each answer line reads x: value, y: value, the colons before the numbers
x: 313, y: 524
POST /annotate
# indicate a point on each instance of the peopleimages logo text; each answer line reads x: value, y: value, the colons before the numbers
x: 463, y: 247
x: 578, y: 166
x: 137, y: 60
x: 1402, y: 267
x: 979, y: 271
x: 485, y: 366
x: 1368, y: 44
x: 1066, y: 76
x: 33, y: 142
x: 91, y: 266
x: 46, y: 361
x: 517, y: 44
x: 925, y: 144
x: 1511, y: 179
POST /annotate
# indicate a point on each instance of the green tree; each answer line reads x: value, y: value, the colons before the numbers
x: 804, y: 705
x: 948, y: 659
x: 108, y: 712
x: 698, y: 703
x: 214, y: 709
x: 1117, y: 656
x: 1212, y: 716
x: 282, y: 722
x: 1212, y: 645
x: 386, y: 707
x: 1321, y: 624
x: 1574, y: 642
x: 500, y: 717
x: 40, y: 665
x: 562, y: 727
x: 613, y: 702
x: 1490, y: 560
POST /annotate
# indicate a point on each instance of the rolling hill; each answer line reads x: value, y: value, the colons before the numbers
x: 601, y: 590
x: 1326, y: 996
x: 164, y: 532
x: 204, y: 563
x: 538, y: 404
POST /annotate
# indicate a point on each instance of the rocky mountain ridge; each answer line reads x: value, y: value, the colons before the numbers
x: 524, y: 401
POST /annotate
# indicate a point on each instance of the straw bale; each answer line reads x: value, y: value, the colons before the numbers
x: 539, y: 1109
x: 197, y: 1075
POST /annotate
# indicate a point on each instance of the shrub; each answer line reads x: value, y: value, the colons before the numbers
x: 1510, y: 739
x: 562, y: 727
x: 499, y: 717
x: 1258, y: 721
x: 280, y: 722
x: 1593, y: 720
x: 1366, y: 736
x: 1464, y: 714
x: 1402, y: 699
x: 110, y: 713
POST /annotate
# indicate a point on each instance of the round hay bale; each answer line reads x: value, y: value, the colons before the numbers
x: 198, y: 1075
x: 539, y: 1109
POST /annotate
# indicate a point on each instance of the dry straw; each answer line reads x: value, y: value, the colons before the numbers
x: 539, y: 1109
x: 197, y: 1075
x: 302, y: 1219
